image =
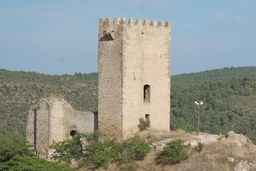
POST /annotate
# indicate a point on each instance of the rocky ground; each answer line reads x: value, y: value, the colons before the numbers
x: 230, y: 152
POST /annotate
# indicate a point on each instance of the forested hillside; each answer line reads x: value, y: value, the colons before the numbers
x: 228, y: 94
x: 228, y: 105
x: 214, y: 75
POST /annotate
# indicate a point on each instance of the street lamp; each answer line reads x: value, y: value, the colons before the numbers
x: 198, y: 103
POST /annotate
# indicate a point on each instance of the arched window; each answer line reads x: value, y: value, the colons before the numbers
x: 146, y: 93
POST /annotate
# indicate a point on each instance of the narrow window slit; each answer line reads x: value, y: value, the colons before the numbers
x: 146, y: 93
x: 147, y: 117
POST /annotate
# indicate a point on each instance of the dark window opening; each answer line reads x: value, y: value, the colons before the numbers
x: 72, y: 133
x: 146, y: 93
x: 147, y: 117
x: 35, y: 126
x: 95, y: 121
x: 107, y: 36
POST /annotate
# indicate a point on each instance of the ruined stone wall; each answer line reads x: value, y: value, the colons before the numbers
x: 80, y: 121
x: 53, y: 119
x: 30, y: 125
x: 42, y: 129
x: 57, y: 120
x: 131, y: 55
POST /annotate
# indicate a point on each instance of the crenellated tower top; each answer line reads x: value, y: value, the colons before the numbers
x: 122, y: 21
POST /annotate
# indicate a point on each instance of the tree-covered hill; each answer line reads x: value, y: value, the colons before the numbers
x: 228, y: 96
x: 228, y: 105
x: 214, y: 75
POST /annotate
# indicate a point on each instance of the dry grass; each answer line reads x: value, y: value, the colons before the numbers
x: 151, y: 135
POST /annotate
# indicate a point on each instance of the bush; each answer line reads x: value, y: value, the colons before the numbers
x: 13, y: 145
x: 68, y: 149
x: 134, y: 149
x: 100, y: 152
x: 199, y: 147
x: 94, y: 136
x: 131, y: 150
x: 15, y: 155
x: 32, y: 163
x: 173, y: 152
x: 96, y: 152
x: 140, y: 148
x: 143, y: 125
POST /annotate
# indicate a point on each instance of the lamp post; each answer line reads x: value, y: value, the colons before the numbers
x: 198, y: 103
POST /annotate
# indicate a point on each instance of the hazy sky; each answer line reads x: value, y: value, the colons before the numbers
x: 60, y: 36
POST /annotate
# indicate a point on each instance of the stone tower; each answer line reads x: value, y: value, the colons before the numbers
x: 134, y: 75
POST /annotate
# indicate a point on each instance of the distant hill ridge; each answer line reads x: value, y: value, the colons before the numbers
x: 215, y: 75
x: 228, y: 96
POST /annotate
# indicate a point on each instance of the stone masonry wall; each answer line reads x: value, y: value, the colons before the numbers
x: 42, y: 130
x: 131, y: 55
x: 110, y: 78
x: 30, y: 131
x: 52, y: 120
x: 146, y: 61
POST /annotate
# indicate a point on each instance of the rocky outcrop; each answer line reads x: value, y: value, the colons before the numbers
x: 159, y: 145
x: 231, y: 152
x: 245, y: 166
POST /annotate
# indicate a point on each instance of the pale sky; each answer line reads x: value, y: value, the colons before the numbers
x: 60, y: 36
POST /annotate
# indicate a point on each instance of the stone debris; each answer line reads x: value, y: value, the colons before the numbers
x: 202, y: 138
x: 232, y: 136
x: 159, y: 145
x: 245, y: 166
x: 231, y: 159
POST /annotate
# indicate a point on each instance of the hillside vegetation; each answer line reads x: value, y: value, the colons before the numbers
x: 15, y: 155
x: 228, y: 96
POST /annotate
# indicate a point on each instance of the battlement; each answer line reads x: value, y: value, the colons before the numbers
x: 122, y: 21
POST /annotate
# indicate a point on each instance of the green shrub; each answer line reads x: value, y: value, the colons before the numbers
x: 134, y: 149
x: 143, y: 125
x: 131, y: 150
x: 13, y: 145
x: 199, y: 148
x: 94, y: 136
x: 32, y: 163
x: 140, y: 148
x: 68, y: 149
x: 101, y: 153
x: 15, y: 155
x: 173, y: 152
